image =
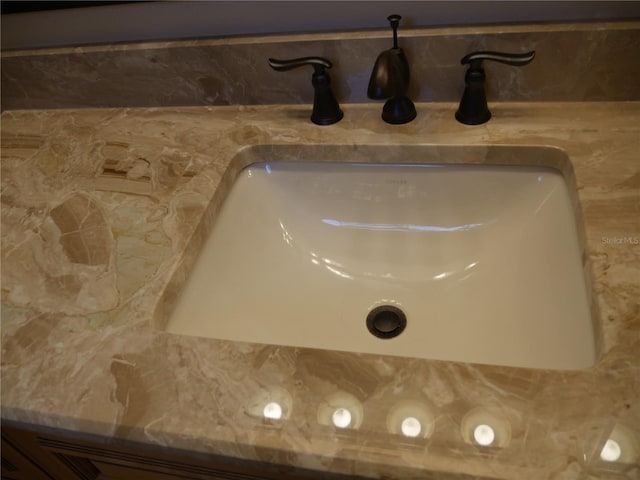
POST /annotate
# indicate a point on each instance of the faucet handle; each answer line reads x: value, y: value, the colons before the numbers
x: 326, y: 110
x: 473, y: 109
x: 515, y: 59
x: 318, y: 64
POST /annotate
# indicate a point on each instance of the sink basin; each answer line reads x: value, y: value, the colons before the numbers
x: 477, y: 262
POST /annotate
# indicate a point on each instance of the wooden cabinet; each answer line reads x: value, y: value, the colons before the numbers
x: 32, y: 454
x: 16, y: 465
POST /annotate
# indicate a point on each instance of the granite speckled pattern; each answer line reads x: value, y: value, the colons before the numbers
x: 102, y: 212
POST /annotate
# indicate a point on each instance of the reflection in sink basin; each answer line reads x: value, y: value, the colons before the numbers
x: 484, y: 262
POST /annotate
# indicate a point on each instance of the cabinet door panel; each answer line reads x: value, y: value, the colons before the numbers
x: 111, y: 471
x: 15, y: 466
x: 138, y: 468
x: 97, y: 462
x: 57, y: 455
x: 18, y: 463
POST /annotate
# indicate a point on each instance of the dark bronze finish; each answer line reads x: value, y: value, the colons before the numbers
x: 386, y: 321
x: 326, y: 109
x: 390, y: 80
x: 473, y: 109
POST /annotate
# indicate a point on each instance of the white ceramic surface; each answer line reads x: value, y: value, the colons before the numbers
x: 484, y: 261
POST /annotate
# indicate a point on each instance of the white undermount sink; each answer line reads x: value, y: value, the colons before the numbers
x: 483, y: 261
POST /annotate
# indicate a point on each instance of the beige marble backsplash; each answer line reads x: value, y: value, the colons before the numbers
x: 574, y: 62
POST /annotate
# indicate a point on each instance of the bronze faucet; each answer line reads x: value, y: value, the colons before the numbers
x: 390, y: 80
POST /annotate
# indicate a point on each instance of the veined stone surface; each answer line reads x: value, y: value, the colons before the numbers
x: 103, y: 211
x: 591, y: 61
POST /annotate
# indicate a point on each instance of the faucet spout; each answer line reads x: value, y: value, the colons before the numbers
x: 390, y: 75
x: 390, y: 80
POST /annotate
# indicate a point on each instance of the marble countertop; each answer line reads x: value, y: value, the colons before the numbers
x: 101, y: 209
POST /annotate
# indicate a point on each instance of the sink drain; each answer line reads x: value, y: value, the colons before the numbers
x: 386, y: 321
